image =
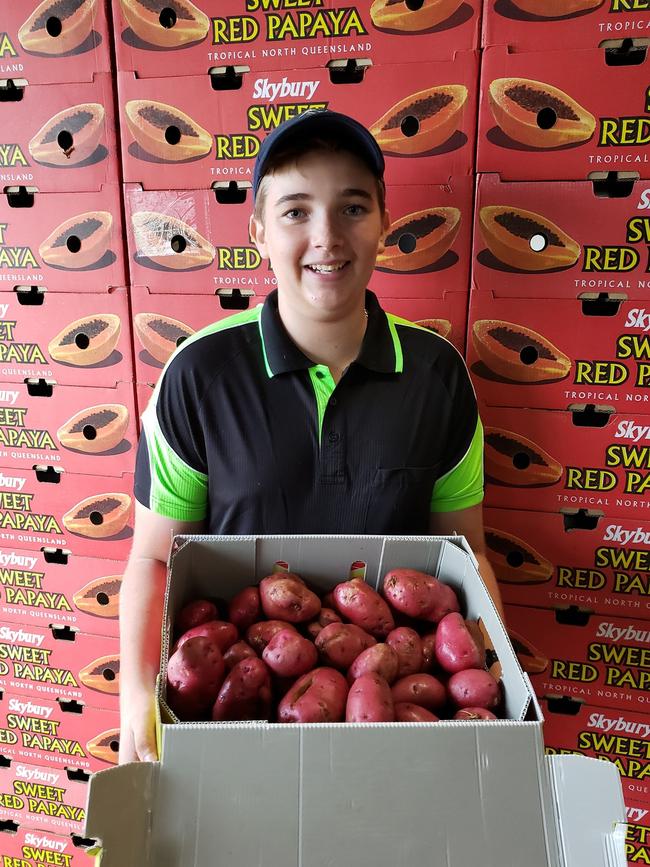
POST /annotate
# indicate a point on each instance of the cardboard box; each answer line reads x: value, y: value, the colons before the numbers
x: 446, y: 315
x: 598, y: 659
x: 56, y: 53
x: 234, y: 122
x: 82, y: 430
x: 582, y: 467
x: 33, y: 238
x: 541, y: 559
x: 396, y: 775
x: 27, y: 848
x: 47, y: 587
x: 276, y: 35
x: 47, y: 733
x: 637, y: 840
x: 35, y: 324
x: 69, y: 511
x: 607, y: 106
x: 42, y: 798
x: 621, y: 737
x: 61, y: 136
x: 143, y: 392
x: 540, y: 25
x: 187, y: 241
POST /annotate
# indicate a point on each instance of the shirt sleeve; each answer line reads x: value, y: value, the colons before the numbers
x: 171, y: 468
x: 462, y: 486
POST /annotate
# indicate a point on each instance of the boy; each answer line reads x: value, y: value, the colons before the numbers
x: 315, y: 413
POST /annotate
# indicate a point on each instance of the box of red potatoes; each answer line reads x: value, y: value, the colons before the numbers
x: 395, y: 774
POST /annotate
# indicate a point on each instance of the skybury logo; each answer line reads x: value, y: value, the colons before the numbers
x: 272, y: 91
x: 12, y: 482
x: 638, y: 317
x: 630, y: 430
x: 43, y: 842
x: 622, y: 633
x: 27, y: 707
x: 616, y: 533
x: 618, y: 725
x: 13, y: 559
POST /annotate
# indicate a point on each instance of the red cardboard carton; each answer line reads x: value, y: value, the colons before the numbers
x: 48, y: 733
x: 637, y: 840
x: 60, y: 136
x: 49, y: 588
x: 191, y: 135
x: 89, y: 515
x: 72, y: 339
x: 143, y: 392
x: 542, y: 559
x: 536, y: 25
x: 545, y: 461
x: 60, y: 664
x: 561, y: 115
x: 447, y: 315
x: 42, y: 798
x: 63, y: 242
x: 277, y: 34
x: 603, y: 661
x: 28, y: 848
x: 83, y: 430
x: 621, y: 737
x: 46, y: 44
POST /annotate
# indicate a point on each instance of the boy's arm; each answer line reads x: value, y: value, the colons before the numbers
x: 141, y: 608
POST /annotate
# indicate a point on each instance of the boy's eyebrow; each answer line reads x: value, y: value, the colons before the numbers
x: 301, y: 197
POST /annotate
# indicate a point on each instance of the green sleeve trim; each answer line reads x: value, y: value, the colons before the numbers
x: 177, y: 490
x: 462, y: 486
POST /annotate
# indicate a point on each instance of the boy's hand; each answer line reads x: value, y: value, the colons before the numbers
x: 138, y: 730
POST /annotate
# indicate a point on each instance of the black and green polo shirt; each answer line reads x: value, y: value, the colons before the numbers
x: 246, y: 433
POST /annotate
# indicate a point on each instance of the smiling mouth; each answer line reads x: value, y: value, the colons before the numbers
x: 326, y: 269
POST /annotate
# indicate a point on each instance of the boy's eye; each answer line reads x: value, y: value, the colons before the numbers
x: 294, y: 213
x: 355, y: 210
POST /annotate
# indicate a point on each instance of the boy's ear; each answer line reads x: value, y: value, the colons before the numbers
x: 384, y: 232
x: 257, y: 235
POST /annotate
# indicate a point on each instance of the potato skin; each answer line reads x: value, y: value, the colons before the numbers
x: 340, y: 643
x: 245, y: 693
x: 474, y: 714
x: 285, y: 597
x: 419, y: 594
x: 325, y: 617
x: 474, y: 687
x: 380, y: 658
x: 221, y: 633
x: 245, y: 608
x: 408, y: 646
x: 364, y: 607
x: 259, y: 634
x: 424, y: 690
x: 456, y: 648
x: 428, y: 651
x: 370, y: 700
x: 406, y: 711
x: 238, y: 651
x: 195, y: 673
x: 194, y: 614
x: 318, y: 696
x: 289, y: 655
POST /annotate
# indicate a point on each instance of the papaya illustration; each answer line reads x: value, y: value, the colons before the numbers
x: 170, y: 242
x: 510, y: 234
x: 56, y: 27
x: 166, y: 132
x: 556, y: 8
x: 166, y: 23
x: 160, y: 335
x: 86, y: 341
x: 100, y: 516
x: 439, y: 326
x: 537, y: 114
x: 422, y: 121
x: 518, y: 353
x: 419, y: 239
x: 95, y: 429
x: 513, y: 459
x: 515, y: 561
x: 399, y: 15
x: 70, y: 136
x: 78, y: 242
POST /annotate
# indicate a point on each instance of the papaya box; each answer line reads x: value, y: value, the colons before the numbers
x: 59, y: 663
x: 71, y: 339
x: 535, y: 25
x: 562, y: 115
x: 197, y: 241
x: 278, y: 34
x: 42, y: 798
x: 88, y: 515
x: 143, y: 393
x: 60, y: 136
x: 53, y: 43
x: 637, y: 839
x: 78, y: 739
x: 447, y: 315
x: 48, y: 587
x: 27, y: 847
x: 622, y: 737
x: 190, y: 135
x: 585, y: 457
x: 597, y: 659
x: 62, y: 242
x: 588, y: 560
x: 83, y: 430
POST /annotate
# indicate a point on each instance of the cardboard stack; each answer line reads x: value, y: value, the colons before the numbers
x: 558, y: 350
x: 67, y: 422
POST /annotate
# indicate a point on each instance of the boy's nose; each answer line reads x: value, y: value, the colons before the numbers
x: 326, y: 232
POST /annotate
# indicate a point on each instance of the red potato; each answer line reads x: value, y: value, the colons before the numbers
x: 325, y: 617
x: 194, y: 614
x: 474, y: 714
x: 408, y: 646
x: 195, y: 673
x: 363, y: 606
x: 245, y: 693
x: 421, y: 689
x: 473, y: 688
x: 370, y: 700
x: 289, y: 655
x: 428, y: 651
x: 259, y: 634
x: 340, y: 643
x: 419, y: 594
x: 238, y: 651
x: 380, y: 658
x: 318, y: 696
x: 456, y: 647
x: 285, y: 597
x: 328, y: 601
x: 223, y: 634
x: 245, y: 608
x: 405, y: 711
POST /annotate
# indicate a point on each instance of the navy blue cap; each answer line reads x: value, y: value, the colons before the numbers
x: 314, y: 122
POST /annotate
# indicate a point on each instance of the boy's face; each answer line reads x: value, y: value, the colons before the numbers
x: 321, y: 228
